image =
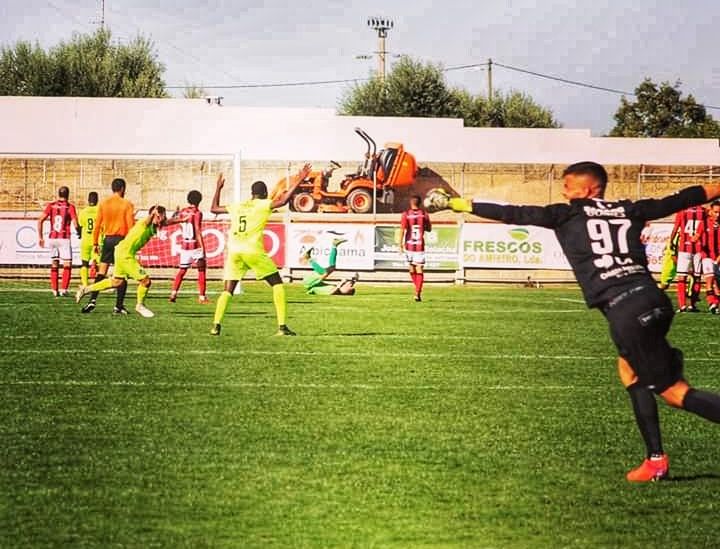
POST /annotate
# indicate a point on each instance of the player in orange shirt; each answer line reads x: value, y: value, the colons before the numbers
x: 115, y: 218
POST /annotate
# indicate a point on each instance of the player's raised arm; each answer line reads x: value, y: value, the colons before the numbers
x: 216, y: 208
x: 543, y: 216
x: 285, y: 196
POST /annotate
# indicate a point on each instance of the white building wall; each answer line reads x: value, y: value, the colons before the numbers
x: 38, y: 126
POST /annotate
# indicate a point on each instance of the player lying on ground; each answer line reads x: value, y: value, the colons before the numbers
x: 601, y: 240
x: 245, y: 248
x: 126, y: 263
x: 316, y: 284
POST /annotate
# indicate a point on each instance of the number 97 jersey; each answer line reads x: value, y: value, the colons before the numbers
x: 247, y: 223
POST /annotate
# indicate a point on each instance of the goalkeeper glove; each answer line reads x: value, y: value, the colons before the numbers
x: 458, y: 204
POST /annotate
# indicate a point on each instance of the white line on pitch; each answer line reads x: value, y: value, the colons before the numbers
x: 362, y: 354
x: 251, y: 385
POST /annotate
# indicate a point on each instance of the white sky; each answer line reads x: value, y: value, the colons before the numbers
x: 222, y: 42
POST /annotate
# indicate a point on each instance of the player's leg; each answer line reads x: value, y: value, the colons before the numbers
x: 235, y: 269
x: 85, y: 255
x: 647, y: 419
x: 668, y: 270
x: 202, y: 280
x: 185, y: 262
x: 54, y: 272
x: 639, y: 321
x: 696, y: 282
x: 280, y: 302
x: 683, y: 269
x: 708, y: 270
x: 107, y: 258
x: 420, y: 279
x: 65, y: 252
x: 142, y: 291
x: 177, y: 282
x: 129, y: 267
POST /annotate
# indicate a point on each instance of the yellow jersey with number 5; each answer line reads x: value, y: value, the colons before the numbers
x: 247, y: 223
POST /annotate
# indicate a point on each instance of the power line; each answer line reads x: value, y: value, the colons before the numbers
x: 446, y: 69
x: 275, y: 84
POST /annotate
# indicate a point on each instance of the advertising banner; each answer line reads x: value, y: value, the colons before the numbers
x: 499, y: 246
x: 355, y: 254
x: 19, y: 244
x: 441, y: 248
x: 656, y: 236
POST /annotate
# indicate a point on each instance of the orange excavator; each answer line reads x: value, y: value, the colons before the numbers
x: 376, y: 178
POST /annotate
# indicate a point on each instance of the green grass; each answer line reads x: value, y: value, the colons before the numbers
x: 482, y: 417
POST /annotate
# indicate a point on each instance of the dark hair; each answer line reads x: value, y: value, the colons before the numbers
x: 157, y: 208
x: 64, y: 192
x: 117, y: 185
x: 92, y: 198
x: 259, y: 189
x: 194, y: 197
x: 593, y: 169
x: 715, y: 203
x: 415, y: 199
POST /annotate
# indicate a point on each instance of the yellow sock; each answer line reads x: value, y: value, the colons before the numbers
x: 84, y: 275
x: 280, y: 303
x: 101, y: 285
x: 141, y: 293
x: 222, y: 304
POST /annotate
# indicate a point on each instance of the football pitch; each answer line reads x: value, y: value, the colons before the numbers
x: 483, y: 417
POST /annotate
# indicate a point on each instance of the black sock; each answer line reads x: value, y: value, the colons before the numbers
x: 703, y: 403
x: 120, y: 299
x: 93, y: 295
x: 646, y: 416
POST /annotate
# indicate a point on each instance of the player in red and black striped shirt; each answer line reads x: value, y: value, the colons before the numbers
x: 690, y: 226
x: 61, y: 214
x: 415, y: 222
x: 192, y: 247
x: 712, y: 255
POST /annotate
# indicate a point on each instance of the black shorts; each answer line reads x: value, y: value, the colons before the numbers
x: 639, y: 318
x: 107, y: 254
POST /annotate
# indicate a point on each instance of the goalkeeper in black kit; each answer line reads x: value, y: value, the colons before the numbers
x: 601, y: 240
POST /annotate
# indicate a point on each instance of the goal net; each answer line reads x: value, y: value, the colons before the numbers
x: 27, y: 184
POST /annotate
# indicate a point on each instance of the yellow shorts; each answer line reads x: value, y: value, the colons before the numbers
x: 237, y: 264
x: 87, y: 253
x: 129, y: 267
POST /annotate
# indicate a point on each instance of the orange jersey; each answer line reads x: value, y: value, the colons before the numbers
x: 115, y: 217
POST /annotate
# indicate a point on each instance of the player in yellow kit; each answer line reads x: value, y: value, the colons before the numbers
x: 86, y: 222
x: 245, y: 250
x: 127, y: 265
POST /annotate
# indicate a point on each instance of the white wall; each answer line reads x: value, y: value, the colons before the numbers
x: 38, y: 126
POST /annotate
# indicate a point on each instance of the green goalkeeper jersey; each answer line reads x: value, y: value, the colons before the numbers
x: 247, y: 223
x: 86, y: 220
x: 136, y: 238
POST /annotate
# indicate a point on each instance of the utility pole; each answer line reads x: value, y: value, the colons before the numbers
x: 382, y: 25
x: 101, y: 21
x: 490, y: 87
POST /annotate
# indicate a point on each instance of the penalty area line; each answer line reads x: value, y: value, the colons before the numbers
x: 361, y: 355
x: 316, y: 386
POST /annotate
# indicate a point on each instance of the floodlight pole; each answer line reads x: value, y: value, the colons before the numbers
x: 382, y: 25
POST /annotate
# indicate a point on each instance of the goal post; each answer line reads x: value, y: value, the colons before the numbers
x: 29, y: 182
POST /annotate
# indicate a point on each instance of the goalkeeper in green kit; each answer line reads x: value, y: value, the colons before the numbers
x: 315, y: 284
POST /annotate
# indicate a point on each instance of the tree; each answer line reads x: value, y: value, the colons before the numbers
x: 416, y: 89
x: 514, y: 109
x: 661, y: 111
x: 89, y: 66
x: 193, y: 91
x: 410, y: 89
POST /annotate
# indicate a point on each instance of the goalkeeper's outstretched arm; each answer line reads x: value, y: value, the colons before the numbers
x: 543, y: 216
